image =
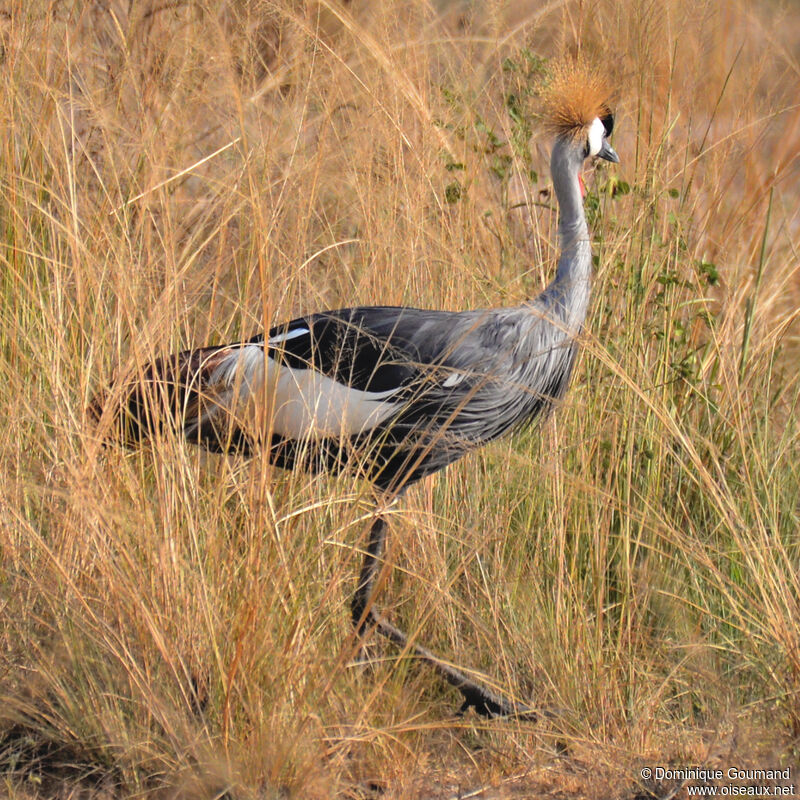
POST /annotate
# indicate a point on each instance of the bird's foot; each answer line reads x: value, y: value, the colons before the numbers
x: 492, y: 706
x: 367, y: 654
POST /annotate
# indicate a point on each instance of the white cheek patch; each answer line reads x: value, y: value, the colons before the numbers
x: 596, y: 133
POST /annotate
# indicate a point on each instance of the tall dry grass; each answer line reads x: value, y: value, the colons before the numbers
x: 176, y: 174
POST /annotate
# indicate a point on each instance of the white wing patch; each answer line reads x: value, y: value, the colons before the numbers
x: 453, y: 380
x: 285, y: 337
x: 295, y: 403
x: 240, y: 365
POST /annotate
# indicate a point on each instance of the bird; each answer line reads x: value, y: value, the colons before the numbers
x: 394, y: 393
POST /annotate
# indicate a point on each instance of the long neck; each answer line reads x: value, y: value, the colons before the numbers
x: 569, y: 291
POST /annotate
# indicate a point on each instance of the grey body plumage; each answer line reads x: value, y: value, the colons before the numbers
x: 396, y: 393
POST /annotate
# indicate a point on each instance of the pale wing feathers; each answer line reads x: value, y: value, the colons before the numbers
x: 262, y: 396
x: 286, y: 337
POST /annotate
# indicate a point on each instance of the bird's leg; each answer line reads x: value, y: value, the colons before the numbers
x: 360, y: 606
x: 483, y: 700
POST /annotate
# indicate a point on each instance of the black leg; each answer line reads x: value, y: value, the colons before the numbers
x: 373, y: 556
x: 483, y: 700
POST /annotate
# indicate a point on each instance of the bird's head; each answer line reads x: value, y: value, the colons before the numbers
x: 577, y: 110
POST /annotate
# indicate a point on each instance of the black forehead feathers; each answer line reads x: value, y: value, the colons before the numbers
x: 608, y: 123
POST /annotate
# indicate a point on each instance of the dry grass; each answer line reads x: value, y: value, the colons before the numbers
x: 174, y: 174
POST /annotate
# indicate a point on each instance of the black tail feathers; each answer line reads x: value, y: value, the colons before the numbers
x: 165, y: 394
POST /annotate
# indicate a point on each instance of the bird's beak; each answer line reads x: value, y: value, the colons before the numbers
x: 608, y: 153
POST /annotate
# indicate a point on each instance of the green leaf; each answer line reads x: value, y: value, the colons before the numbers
x: 710, y: 272
x: 453, y: 192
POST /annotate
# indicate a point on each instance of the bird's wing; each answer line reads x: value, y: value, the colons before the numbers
x: 366, y: 349
x: 440, y: 368
x: 333, y: 374
x: 380, y: 348
x: 421, y: 386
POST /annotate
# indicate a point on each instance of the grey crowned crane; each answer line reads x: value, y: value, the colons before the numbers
x: 394, y: 393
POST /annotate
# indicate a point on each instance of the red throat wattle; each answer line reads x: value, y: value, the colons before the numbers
x: 582, y: 185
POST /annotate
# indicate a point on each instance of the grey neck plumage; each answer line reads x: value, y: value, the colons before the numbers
x: 568, y: 295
